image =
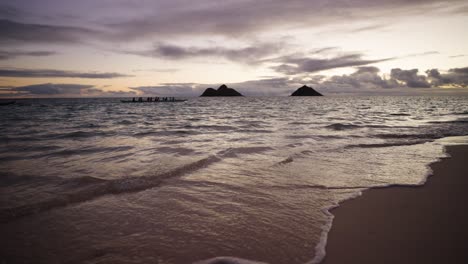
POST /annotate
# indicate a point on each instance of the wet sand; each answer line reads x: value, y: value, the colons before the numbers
x: 426, y: 224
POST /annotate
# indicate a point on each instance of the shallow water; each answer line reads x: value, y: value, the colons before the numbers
x: 98, y: 181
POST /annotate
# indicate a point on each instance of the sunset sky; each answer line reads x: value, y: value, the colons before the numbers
x: 61, y: 48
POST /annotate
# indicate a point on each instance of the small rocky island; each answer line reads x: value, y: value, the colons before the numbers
x: 223, y: 90
x: 306, y: 91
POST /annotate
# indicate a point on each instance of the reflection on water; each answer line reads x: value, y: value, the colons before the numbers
x: 97, y: 181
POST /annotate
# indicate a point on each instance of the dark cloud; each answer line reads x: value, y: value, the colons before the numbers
x: 6, y: 55
x: 363, y: 79
x: 410, y: 78
x: 249, y: 54
x: 9, y: 12
x: 51, y: 89
x: 296, y: 65
x: 237, y: 18
x: 12, y: 32
x: 369, y: 80
x: 463, y: 71
x: 367, y: 69
x: 127, y: 20
x: 457, y: 77
x: 57, y: 90
x: 27, y: 73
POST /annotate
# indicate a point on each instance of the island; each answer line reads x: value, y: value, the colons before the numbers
x: 223, y: 90
x: 306, y: 91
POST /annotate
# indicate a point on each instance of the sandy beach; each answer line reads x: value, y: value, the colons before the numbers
x: 426, y: 224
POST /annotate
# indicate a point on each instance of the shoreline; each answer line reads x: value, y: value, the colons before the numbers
x: 406, y: 224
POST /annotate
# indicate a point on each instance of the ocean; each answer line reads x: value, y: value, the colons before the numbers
x: 253, y: 178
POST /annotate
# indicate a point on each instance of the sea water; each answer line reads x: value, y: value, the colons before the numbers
x: 100, y: 181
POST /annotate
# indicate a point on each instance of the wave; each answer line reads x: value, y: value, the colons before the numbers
x: 400, y: 114
x: 9, y: 139
x: 125, y: 122
x: 389, y: 144
x: 69, y: 152
x: 321, y: 187
x: 260, y: 131
x: 87, y: 188
x: 79, y: 134
x: 228, y: 260
x: 23, y: 149
x: 171, y: 150
x: 165, y: 133
x: 340, y: 126
x: 457, y: 121
x: 409, y: 136
x: 233, y: 152
x: 286, y: 161
x: 212, y: 127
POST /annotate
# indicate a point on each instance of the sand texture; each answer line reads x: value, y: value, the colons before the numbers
x: 426, y: 224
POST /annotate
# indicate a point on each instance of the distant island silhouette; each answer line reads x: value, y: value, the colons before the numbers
x: 223, y: 90
x: 306, y: 91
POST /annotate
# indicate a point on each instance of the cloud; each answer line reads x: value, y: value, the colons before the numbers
x: 410, y: 78
x: 292, y: 65
x: 458, y: 56
x: 268, y: 87
x: 262, y: 87
x: 248, y: 17
x: 162, y: 70
x: 249, y: 54
x: 58, y: 90
x: 370, y: 80
x: 422, y: 54
x: 463, y: 71
x: 369, y: 28
x: 170, y: 89
x: 24, y: 33
x: 25, y: 22
x: 52, y: 89
x: 6, y: 55
x: 363, y: 79
x: 457, y: 77
x: 27, y: 73
x: 9, y: 12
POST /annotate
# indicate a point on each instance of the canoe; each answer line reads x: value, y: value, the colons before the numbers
x: 174, y: 101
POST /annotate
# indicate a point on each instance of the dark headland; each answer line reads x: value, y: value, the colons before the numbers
x: 223, y: 90
x: 306, y: 91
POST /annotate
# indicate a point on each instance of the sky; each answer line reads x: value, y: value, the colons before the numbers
x: 125, y: 48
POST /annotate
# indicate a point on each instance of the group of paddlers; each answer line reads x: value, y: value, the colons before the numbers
x: 154, y: 99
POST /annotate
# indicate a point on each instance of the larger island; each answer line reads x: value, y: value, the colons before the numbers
x: 223, y: 90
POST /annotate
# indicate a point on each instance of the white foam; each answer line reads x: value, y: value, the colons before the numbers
x: 459, y: 140
x: 320, y: 251
x: 227, y: 260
